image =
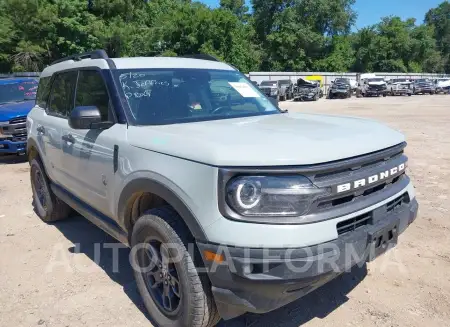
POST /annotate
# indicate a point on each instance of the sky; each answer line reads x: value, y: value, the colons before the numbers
x: 370, y: 11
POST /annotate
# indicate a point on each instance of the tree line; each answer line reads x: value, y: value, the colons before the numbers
x: 272, y: 35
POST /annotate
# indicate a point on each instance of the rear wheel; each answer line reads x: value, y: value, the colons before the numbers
x: 174, y: 293
x: 46, y: 204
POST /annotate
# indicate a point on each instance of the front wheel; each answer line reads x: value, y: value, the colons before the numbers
x: 173, y: 291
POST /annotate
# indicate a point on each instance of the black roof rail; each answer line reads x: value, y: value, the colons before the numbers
x: 96, y: 54
x: 202, y: 56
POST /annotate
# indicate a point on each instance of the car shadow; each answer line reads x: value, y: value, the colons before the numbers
x: 87, y: 239
x: 8, y: 159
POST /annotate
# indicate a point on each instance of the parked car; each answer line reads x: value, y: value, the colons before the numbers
x: 340, y: 88
x: 222, y: 215
x: 286, y: 89
x: 318, y: 79
x: 306, y: 90
x: 372, y: 86
x: 400, y: 86
x: 270, y: 89
x: 17, y: 97
x: 442, y: 85
x: 423, y: 86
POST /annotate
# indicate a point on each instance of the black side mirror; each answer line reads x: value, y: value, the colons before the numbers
x: 85, y: 117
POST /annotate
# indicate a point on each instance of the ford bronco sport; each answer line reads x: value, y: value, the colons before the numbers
x: 230, y: 205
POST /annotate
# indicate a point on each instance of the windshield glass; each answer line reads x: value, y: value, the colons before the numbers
x: 342, y: 80
x: 268, y: 83
x: 423, y: 80
x: 18, y: 91
x: 157, y: 97
x: 400, y: 80
x: 375, y: 79
x: 285, y: 82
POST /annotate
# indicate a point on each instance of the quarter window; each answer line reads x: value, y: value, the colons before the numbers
x: 91, y: 91
x: 61, y: 99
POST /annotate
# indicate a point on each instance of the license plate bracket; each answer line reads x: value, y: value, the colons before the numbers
x: 382, y: 239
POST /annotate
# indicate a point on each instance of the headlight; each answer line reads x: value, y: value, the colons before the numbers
x: 284, y: 196
x: 310, y: 94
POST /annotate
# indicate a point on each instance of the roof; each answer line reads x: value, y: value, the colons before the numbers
x: 138, y: 63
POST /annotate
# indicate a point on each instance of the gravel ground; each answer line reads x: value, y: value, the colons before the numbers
x: 50, y: 275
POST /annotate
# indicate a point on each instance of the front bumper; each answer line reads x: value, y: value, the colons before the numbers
x: 261, y: 280
x: 375, y: 92
x: 401, y: 91
x: 7, y: 146
x: 424, y: 90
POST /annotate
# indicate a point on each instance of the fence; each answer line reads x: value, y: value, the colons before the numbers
x: 329, y: 77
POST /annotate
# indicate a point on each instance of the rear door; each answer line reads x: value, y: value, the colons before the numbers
x: 60, y: 103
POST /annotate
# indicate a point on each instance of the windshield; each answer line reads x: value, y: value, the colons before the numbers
x: 342, y: 80
x: 157, y: 97
x: 402, y: 80
x: 423, y: 80
x: 375, y: 79
x: 285, y: 82
x: 268, y: 83
x: 18, y: 91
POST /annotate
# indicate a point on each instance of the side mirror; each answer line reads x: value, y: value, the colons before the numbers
x: 85, y: 117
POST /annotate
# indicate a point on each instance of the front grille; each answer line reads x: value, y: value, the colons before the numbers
x: 398, y: 202
x: 18, y: 120
x: 16, y: 129
x: 327, y: 204
x: 350, y: 225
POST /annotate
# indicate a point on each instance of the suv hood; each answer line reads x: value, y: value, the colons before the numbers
x: 17, y: 109
x: 272, y: 140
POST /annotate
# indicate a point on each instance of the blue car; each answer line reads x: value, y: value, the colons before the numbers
x: 17, y: 98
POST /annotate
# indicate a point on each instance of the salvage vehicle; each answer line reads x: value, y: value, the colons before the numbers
x: 340, y: 89
x: 271, y: 89
x: 286, y: 89
x: 306, y: 90
x: 442, y: 85
x: 423, y: 86
x: 399, y: 86
x: 16, y: 100
x: 217, y: 229
x: 372, y: 86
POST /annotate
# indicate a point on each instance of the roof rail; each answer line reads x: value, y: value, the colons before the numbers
x: 202, y: 56
x: 96, y: 54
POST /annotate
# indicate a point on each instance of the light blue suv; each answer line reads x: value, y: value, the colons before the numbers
x: 230, y: 205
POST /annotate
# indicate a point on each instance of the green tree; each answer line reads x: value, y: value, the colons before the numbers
x: 439, y: 19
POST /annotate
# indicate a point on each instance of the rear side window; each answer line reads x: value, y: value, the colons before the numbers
x: 61, y: 98
x: 91, y: 91
x: 43, y: 92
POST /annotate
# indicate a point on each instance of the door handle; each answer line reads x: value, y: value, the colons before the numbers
x: 68, y: 138
x: 40, y: 129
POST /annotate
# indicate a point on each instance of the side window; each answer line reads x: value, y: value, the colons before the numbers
x: 43, y: 92
x: 91, y: 91
x: 61, y: 98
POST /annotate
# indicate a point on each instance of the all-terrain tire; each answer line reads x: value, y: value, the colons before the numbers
x: 196, y: 306
x: 46, y: 204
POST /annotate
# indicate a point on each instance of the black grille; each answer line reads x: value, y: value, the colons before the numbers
x: 397, y: 202
x: 323, y: 205
x: 350, y: 225
x: 18, y: 120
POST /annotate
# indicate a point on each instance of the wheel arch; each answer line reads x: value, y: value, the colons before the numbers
x: 144, y: 185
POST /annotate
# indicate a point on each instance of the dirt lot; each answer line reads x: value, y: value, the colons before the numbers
x: 409, y: 286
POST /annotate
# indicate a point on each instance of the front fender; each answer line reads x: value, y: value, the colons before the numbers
x: 142, y: 183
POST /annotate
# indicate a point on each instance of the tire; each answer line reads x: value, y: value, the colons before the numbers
x: 409, y: 94
x: 46, y: 204
x: 195, y: 306
x: 384, y: 95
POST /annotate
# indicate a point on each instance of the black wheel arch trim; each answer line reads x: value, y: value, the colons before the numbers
x: 143, y: 185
